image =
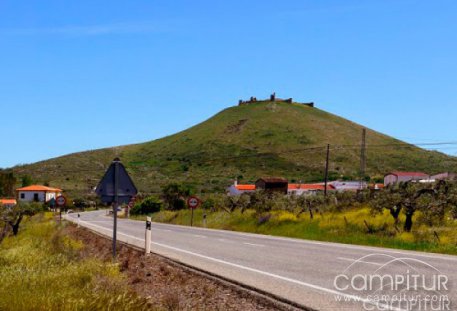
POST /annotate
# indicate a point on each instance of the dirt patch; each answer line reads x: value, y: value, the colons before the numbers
x: 168, y: 285
x: 235, y: 128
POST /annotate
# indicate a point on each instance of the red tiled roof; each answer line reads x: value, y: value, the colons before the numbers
x: 8, y: 202
x: 245, y: 187
x: 415, y: 174
x: 39, y: 188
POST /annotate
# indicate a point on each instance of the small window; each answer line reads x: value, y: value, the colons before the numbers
x: 22, y: 195
x: 35, y: 197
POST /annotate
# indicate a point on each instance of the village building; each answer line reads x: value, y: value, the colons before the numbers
x: 444, y: 176
x: 348, y: 185
x: 37, y: 193
x: 272, y: 184
x: 397, y: 177
x: 296, y: 189
x: 8, y: 202
x: 308, y: 189
x: 237, y: 189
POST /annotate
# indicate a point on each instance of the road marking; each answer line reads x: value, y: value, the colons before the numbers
x: 166, y: 230
x: 199, y: 236
x: 355, y: 260
x: 283, y: 278
x: 253, y: 244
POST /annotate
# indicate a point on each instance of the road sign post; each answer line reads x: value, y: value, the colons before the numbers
x: 60, y: 201
x: 148, y: 236
x: 116, y: 187
x: 193, y: 203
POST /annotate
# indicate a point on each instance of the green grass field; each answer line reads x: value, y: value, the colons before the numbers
x: 41, y: 269
x: 342, y: 227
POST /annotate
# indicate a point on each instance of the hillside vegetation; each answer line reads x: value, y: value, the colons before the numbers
x: 245, y: 142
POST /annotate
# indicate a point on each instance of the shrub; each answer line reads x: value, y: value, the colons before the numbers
x: 149, y: 205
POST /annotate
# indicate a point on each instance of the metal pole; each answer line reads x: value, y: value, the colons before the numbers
x: 326, y: 170
x: 192, y: 218
x: 116, y: 204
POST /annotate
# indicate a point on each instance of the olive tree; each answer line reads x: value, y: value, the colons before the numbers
x: 13, y: 216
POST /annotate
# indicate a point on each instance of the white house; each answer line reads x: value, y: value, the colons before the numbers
x: 349, y: 185
x: 37, y: 193
x: 237, y: 189
x: 396, y: 177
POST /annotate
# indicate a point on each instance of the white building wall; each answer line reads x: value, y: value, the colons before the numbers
x: 390, y: 179
x: 42, y: 196
x: 51, y: 195
x: 30, y: 195
x: 348, y: 185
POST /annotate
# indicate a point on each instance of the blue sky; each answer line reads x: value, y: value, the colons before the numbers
x: 80, y: 75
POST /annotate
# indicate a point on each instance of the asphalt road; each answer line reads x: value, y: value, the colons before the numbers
x: 318, y: 275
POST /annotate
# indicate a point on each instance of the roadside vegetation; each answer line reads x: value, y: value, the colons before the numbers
x: 406, y: 216
x: 41, y: 268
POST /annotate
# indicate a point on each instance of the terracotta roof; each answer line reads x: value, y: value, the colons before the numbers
x: 309, y: 187
x: 8, y: 201
x: 416, y: 174
x: 39, y: 188
x: 245, y: 187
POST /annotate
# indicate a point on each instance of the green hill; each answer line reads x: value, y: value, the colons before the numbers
x: 245, y: 142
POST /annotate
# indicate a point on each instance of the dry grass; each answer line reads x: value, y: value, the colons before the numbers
x: 42, y: 269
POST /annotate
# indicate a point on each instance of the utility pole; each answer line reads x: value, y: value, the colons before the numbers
x: 326, y: 170
x: 363, y: 157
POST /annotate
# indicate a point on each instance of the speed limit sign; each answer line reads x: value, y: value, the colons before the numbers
x: 61, y: 201
x: 193, y: 202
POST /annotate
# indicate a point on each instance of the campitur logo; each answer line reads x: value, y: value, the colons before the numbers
x: 385, y: 282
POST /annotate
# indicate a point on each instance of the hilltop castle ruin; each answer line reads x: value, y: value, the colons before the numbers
x: 272, y: 98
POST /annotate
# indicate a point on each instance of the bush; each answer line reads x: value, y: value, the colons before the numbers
x: 149, y: 205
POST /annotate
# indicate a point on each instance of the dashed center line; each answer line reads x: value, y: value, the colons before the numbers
x: 253, y: 244
x: 199, y: 236
x: 361, y: 261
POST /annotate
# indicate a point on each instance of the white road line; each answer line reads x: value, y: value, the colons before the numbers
x: 253, y: 244
x: 354, y: 260
x: 199, y: 236
x: 166, y: 230
x: 279, y: 277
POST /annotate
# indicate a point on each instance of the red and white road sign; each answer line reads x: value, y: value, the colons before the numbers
x: 61, y: 201
x: 193, y: 202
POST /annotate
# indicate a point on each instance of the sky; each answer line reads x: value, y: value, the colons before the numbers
x: 82, y: 75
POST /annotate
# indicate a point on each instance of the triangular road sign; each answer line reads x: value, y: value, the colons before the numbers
x: 126, y: 188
